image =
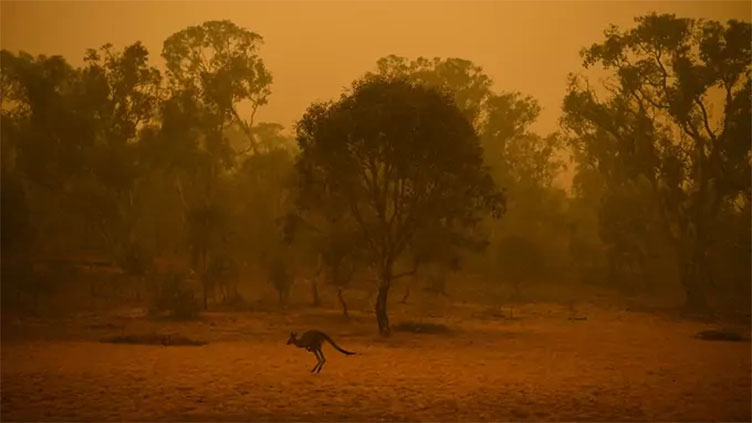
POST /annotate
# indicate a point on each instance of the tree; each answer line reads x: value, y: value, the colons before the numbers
x: 327, y: 246
x: 395, y: 157
x: 676, y: 113
x: 280, y: 272
x: 39, y: 101
x: 217, y: 62
x: 71, y: 143
x: 123, y: 91
x: 502, y: 119
x: 17, y: 237
x: 83, y: 125
x: 213, y: 70
x: 127, y: 85
x: 468, y: 85
x: 521, y: 161
x: 340, y: 257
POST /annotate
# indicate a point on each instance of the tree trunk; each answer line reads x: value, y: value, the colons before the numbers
x: 342, y: 301
x: 203, y: 265
x: 407, y: 294
x: 381, y: 316
x: 205, y: 285
x: 692, y: 273
x: 206, y: 301
x: 315, y: 290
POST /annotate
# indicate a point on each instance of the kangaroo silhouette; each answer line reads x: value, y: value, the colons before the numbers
x: 312, y: 341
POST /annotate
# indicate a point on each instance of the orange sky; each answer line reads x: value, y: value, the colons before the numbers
x: 315, y: 48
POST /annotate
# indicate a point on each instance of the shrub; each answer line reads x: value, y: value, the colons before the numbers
x: 174, y: 295
x: 281, y: 277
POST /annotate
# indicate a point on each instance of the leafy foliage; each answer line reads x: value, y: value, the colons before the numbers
x: 395, y: 157
x: 217, y: 63
x: 521, y: 161
x: 676, y: 116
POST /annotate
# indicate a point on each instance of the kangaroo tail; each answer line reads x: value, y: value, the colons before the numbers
x: 337, y: 347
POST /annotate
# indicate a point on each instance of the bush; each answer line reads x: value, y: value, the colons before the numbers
x: 174, y: 295
x: 135, y: 260
x: 722, y: 335
x: 281, y: 277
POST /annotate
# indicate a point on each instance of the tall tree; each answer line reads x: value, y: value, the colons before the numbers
x: 676, y: 114
x: 217, y: 62
x: 214, y: 71
x: 502, y: 119
x: 74, y: 132
x: 395, y: 157
x: 466, y: 81
x: 39, y: 101
x: 520, y: 161
x: 123, y: 91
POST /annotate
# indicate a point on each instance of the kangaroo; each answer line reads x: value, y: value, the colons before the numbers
x: 312, y: 340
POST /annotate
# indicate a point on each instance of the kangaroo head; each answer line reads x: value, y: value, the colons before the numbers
x: 292, y: 338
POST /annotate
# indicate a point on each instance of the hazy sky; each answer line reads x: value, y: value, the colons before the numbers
x: 314, y: 49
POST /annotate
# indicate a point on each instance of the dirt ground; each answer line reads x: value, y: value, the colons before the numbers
x: 538, y: 366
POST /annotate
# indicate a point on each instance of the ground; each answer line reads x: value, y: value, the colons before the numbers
x: 540, y: 365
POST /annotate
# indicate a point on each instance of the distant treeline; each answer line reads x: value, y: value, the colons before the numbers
x: 420, y: 167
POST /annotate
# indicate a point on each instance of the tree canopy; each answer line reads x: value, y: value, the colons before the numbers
x: 675, y: 114
x: 396, y: 157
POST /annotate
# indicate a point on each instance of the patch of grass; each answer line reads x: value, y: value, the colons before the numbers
x: 420, y: 327
x: 154, y: 339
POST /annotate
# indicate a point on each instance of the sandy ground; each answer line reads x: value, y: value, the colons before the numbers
x: 615, y: 366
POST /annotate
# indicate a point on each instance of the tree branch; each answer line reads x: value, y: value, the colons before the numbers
x: 252, y: 145
x: 408, y: 273
x: 356, y: 213
x: 710, y: 132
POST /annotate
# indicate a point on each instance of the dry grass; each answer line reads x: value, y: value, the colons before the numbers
x: 540, y: 366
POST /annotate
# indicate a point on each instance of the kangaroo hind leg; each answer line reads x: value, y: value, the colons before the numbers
x: 318, y: 361
x: 323, y: 360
